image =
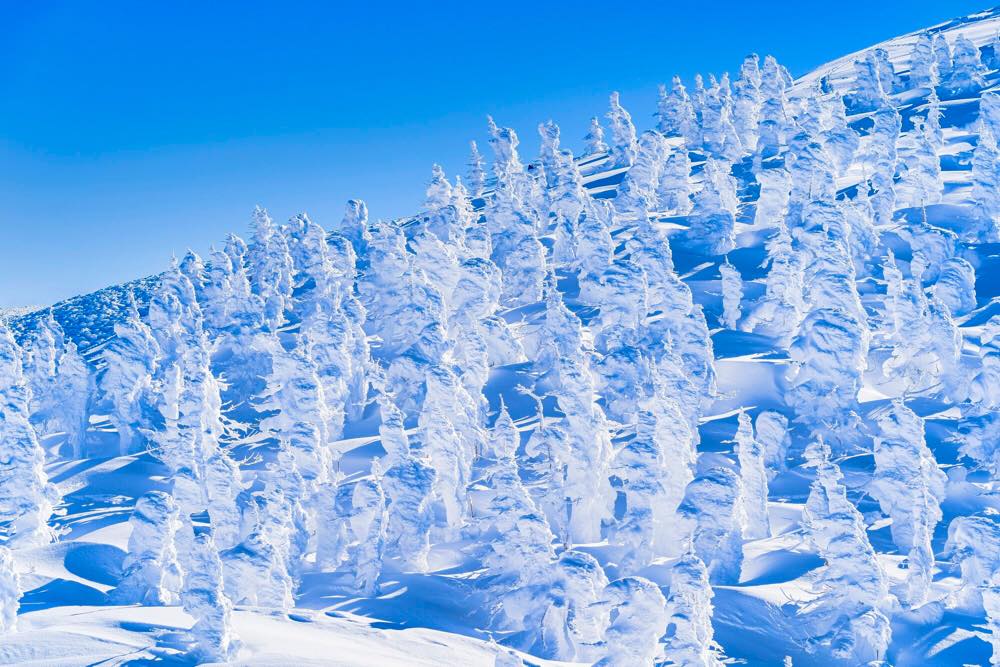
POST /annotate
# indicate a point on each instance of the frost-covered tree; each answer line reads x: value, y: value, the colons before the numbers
x: 746, y: 101
x: 271, y: 269
x: 942, y: 54
x: 869, y: 86
x: 638, y: 190
x: 623, y: 136
x: 26, y: 496
x: 689, y: 608
x: 638, y: 613
x: 574, y: 622
x: 909, y: 487
x: 10, y: 591
x: 593, y: 141
x: 773, y: 118
x: 840, y: 140
x: 849, y: 614
x: 923, y: 65
x: 60, y: 383
x: 985, y: 387
x: 732, y: 294
x: 919, y: 170
x: 408, y: 482
x: 715, y: 515
x: 713, y: 220
x: 772, y: 202
x: 477, y: 171
x: 675, y: 115
x: 956, y: 286
x: 966, y: 74
x: 772, y: 434
x: 255, y: 573
x: 673, y: 193
x: 753, y: 477
x: 150, y: 573
x: 986, y: 171
x: 203, y: 599
x: 131, y: 359
x: 974, y: 541
x: 782, y: 307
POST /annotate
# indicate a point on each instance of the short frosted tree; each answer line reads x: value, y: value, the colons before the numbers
x: 10, y: 591
x: 575, y: 620
x: 942, y: 54
x: 624, y: 143
x: 974, y: 542
x: 638, y: 610
x: 773, y: 119
x: 255, y: 573
x: 26, y: 496
x: 923, y: 64
x: 675, y: 116
x: 956, y: 286
x: 966, y: 74
x: 689, y: 608
x: 593, y: 141
x: 772, y: 434
x: 869, y: 90
x: 985, y: 387
x: 715, y: 516
x: 919, y: 169
x: 753, y: 475
x: 732, y: 294
x: 477, y: 171
x: 131, y: 359
x: 674, y: 190
x: 150, y: 573
x: 203, y: 599
x: 782, y: 307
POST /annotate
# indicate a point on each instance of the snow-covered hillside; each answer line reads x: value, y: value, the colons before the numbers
x: 723, y: 390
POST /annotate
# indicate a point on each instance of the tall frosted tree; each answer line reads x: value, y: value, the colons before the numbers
x: 26, y: 496
x: 624, y: 143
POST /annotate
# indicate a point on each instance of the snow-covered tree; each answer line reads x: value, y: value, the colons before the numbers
x: 689, y: 608
x: 956, y: 286
x: 849, y: 614
x: 477, y: 171
x: 772, y: 434
x: 753, y: 477
x: 986, y: 171
x: 10, y: 592
x: 594, y: 143
x: 639, y: 615
x: 60, y: 383
x: 773, y: 117
x: 909, y: 487
x: 255, y: 573
x: 623, y: 136
x: 574, y: 622
x: 675, y: 114
x: 732, y: 294
x: 966, y: 73
x: 26, y: 496
x: 746, y: 101
x: 782, y: 307
x: 203, y: 599
x: 673, y: 193
x: 974, y: 542
x: 131, y: 358
x: 923, y: 65
x: 869, y: 87
x: 919, y: 169
x: 150, y: 573
x: 715, y: 515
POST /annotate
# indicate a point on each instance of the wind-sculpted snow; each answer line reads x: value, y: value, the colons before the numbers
x: 721, y: 389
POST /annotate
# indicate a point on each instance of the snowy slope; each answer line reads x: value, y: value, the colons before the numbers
x: 776, y: 604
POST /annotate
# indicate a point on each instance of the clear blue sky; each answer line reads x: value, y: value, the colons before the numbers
x: 133, y: 130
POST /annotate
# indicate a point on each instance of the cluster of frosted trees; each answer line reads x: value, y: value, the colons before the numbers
x: 303, y: 332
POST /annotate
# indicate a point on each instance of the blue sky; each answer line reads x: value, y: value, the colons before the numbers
x: 132, y: 131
